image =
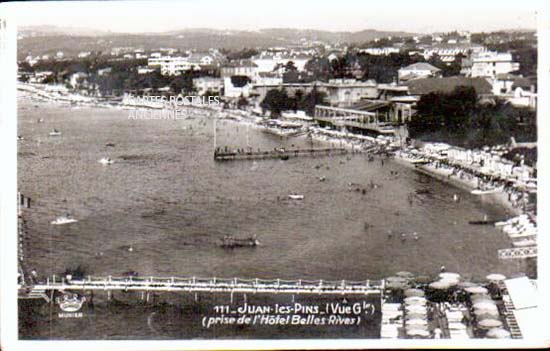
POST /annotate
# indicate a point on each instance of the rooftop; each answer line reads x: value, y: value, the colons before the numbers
x: 446, y: 85
x: 421, y: 66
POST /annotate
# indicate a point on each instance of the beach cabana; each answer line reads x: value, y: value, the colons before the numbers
x: 489, y: 323
x: 498, y: 333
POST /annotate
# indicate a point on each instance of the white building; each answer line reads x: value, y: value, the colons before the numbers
x: 491, y: 63
x: 233, y: 90
x: 240, y: 68
x: 417, y: 70
x: 204, y: 84
x: 267, y: 63
x: 170, y: 66
x: 380, y: 51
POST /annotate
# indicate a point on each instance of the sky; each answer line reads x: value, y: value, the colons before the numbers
x: 420, y: 16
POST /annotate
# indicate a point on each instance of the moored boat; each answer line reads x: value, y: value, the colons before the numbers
x: 70, y: 302
x: 296, y: 197
x: 524, y: 243
x: 55, y: 132
x: 65, y: 219
x: 106, y: 161
x: 231, y: 242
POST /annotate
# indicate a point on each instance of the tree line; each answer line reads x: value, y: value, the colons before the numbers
x: 278, y: 100
x: 460, y: 119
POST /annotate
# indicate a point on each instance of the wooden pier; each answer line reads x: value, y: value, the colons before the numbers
x: 518, y: 252
x: 222, y: 154
x: 206, y: 285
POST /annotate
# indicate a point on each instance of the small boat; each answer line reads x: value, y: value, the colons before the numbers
x: 110, y: 145
x: 55, y: 132
x: 70, y: 302
x: 231, y: 242
x: 40, y: 120
x: 485, y: 191
x: 65, y: 219
x: 524, y: 243
x: 483, y: 222
x: 296, y: 197
x: 106, y: 161
x: 19, y: 137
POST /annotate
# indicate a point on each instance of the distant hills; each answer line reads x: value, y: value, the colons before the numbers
x: 50, y: 39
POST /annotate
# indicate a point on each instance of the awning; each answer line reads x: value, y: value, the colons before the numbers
x: 522, y: 292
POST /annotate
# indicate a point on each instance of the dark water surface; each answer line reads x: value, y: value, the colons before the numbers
x: 167, y: 199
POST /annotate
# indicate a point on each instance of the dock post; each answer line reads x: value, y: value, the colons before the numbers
x: 108, y: 295
x: 244, y: 297
x: 231, y: 297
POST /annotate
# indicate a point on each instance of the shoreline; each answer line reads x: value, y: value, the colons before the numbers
x: 447, y: 177
x: 346, y: 140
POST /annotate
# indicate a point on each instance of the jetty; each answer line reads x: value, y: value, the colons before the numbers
x: 196, y: 284
x: 225, y: 154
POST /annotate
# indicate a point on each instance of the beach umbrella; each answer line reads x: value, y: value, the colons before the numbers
x: 416, y: 321
x: 415, y: 309
x: 423, y: 279
x: 466, y: 285
x: 480, y: 297
x: 485, y: 314
x: 416, y: 315
x: 476, y: 290
x: 396, y: 282
x: 404, y: 274
x: 416, y: 302
x: 414, y: 292
x: 414, y: 298
x: 489, y: 323
x: 485, y: 305
x: 417, y: 326
x: 396, y: 279
x: 418, y: 332
x: 440, y: 285
x: 449, y: 275
x: 449, y: 281
x: 495, y: 277
x: 498, y: 333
